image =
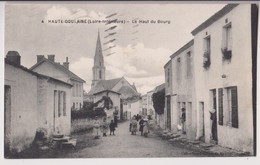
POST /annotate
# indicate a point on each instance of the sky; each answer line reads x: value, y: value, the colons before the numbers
x: 142, y: 42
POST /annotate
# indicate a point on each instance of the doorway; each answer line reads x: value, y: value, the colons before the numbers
x: 168, y: 104
x: 201, y: 134
x: 213, y: 116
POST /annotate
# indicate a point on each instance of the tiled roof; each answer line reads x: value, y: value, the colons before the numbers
x: 60, y: 67
x: 104, y: 85
x: 226, y: 9
x: 159, y: 87
x: 36, y: 74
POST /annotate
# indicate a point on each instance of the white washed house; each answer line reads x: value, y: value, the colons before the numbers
x: 32, y: 101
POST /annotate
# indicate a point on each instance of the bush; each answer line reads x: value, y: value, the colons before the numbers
x: 82, y: 114
x: 158, y: 101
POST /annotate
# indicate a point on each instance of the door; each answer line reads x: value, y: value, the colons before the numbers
x: 168, y: 104
x: 7, y: 119
x: 201, y: 134
x: 213, y: 116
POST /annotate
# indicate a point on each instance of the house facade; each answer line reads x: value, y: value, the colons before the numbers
x: 214, y: 72
x: 29, y: 96
x: 180, y: 90
x: 223, y: 51
x: 48, y: 66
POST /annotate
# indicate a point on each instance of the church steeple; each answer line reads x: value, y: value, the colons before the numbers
x: 99, y: 67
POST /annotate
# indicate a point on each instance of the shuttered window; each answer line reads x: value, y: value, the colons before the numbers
x: 234, y: 107
x: 220, y: 106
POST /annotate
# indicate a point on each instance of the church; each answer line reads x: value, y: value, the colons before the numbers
x: 119, y: 90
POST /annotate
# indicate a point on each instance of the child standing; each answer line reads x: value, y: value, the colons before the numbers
x: 112, y: 127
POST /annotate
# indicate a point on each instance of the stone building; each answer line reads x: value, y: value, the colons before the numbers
x: 48, y: 66
x: 216, y: 55
x: 32, y: 101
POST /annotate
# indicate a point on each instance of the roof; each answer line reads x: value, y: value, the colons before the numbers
x: 185, y: 47
x: 169, y: 62
x: 226, y: 9
x: 104, y: 85
x: 128, y: 90
x: 108, y: 91
x: 36, y: 74
x: 61, y: 68
x: 159, y: 88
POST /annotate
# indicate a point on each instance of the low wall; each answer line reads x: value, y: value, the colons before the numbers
x: 78, y: 125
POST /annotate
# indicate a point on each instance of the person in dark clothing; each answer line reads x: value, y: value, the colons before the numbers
x: 213, y: 117
x: 115, y: 120
x: 112, y: 127
x: 141, y: 124
x: 183, y: 120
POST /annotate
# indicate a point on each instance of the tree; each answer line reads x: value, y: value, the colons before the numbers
x: 159, y: 101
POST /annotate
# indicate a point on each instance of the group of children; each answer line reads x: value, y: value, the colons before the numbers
x: 103, y: 127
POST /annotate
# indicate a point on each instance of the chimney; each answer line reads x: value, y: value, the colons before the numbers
x: 13, y: 57
x: 66, y: 64
x: 51, y: 57
x: 39, y: 58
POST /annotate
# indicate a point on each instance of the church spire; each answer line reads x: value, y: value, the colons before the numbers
x: 99, y: 67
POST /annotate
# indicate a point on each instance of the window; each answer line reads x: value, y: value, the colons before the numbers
x: 230, y: 108
x: 64, y: 104
x: 227, y: 37
x: 129, y: 105
x: 178, y: 70
x: 100, y: 74
x: 60, y: 102
x: 234, y: 108
x: 226, y: 42
x: 220, y: 106
x: 168, y: 77
x: 206, y: 55
x: 189, y: 64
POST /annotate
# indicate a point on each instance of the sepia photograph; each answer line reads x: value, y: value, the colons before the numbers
x: 130, y: 80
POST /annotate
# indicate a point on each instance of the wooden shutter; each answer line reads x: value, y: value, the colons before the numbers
x: 64, y: 104
x: 220, y: 106
x: 234, y: 107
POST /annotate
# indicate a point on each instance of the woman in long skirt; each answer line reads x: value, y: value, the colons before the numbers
x: 134, y: 126
x: 96, y: 128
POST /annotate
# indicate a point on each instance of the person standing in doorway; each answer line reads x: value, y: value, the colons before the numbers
x: 213, y: 118
x: 183, y: 121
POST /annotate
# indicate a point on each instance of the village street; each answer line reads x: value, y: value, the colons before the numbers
x: 125, y: 145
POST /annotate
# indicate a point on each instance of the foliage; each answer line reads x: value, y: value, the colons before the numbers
x: 227, y: 54
x: 206, y: 59
x: 82, y: 114
x: 90, y: 109
x: 159, y: 101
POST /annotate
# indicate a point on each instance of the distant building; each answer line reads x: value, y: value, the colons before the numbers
x: 117, y: 85
x: 144, y: 105
x: 54, y: 69
x: 32, y: 101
